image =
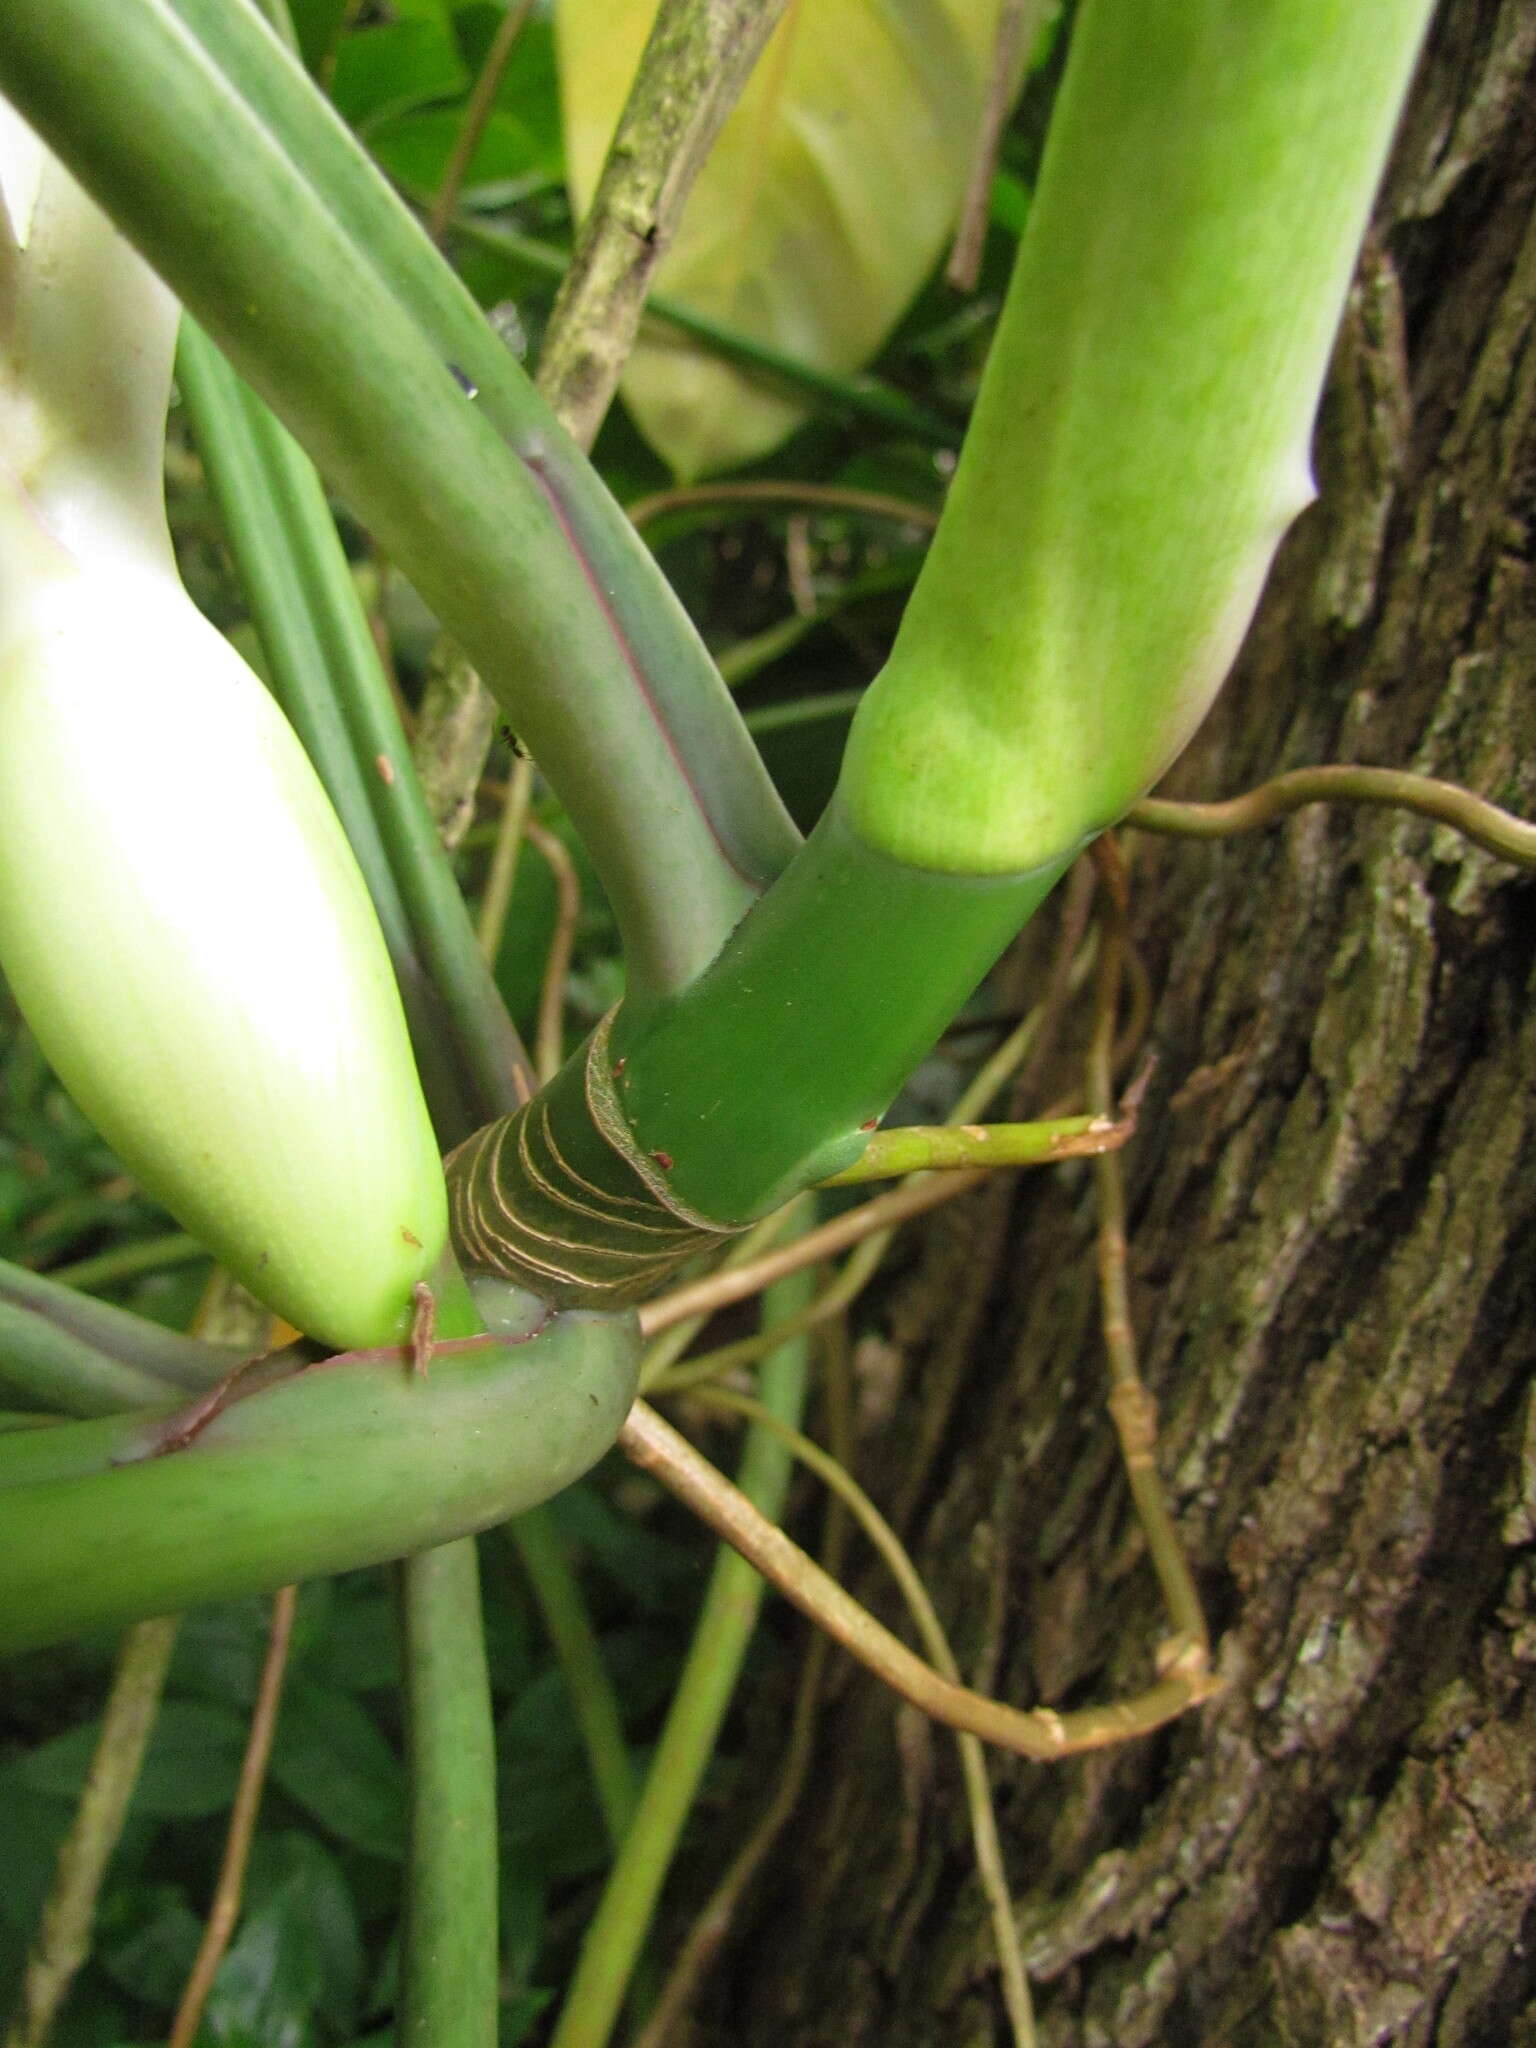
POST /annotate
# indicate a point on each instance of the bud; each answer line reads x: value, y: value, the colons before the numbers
x: 181, y: 919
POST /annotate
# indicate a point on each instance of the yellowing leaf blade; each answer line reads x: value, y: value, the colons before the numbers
x: 825, y: 204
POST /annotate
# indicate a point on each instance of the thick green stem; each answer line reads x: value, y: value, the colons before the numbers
x: 303, y: 1472
x: 669, y: 1130
x: 449, y: 1944
x: 763, y: 1075
x: 337, y: 309
x: 1140, y: 442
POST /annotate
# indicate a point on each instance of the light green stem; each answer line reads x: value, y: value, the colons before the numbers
x: 449, y: 1950
x: 726, y: 1621
x: 579, y: 1656
x: 127, y: 1261
x: 916, y: 1148
x: 1140, y: 442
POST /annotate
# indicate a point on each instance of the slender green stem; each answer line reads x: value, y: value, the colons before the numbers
x: 63, y: 1370
x: 747, y: 658
x: 791, y: 492
x: 579, y: 1656
x: 1496, y: 831
x: 477, y: 113
x: 127, y: 1721
x: 449, y: 1948
x: 497, y: 900
x: 336, y: 307
x: 803, y: 711
x: 865, y: 397
x: 914, y: 1148
x: 127, y: 1261
x: 712, y: 1923
x: 725, y: 1626
x: 327, y: 675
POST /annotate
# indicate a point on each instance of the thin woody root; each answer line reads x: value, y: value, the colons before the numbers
x: 834, y: 1474
x: 1132, y: 1407
x: 1496, y: 830
x: 656, y: 1447
x: 224, y: 1910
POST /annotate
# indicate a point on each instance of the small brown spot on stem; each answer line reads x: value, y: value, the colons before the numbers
x: 663, y: 1160
x: 619, y: 1066
x: 423, y: 1328
x: 870, y: 1123
x: 386, y: 769
x: 410, y: 1237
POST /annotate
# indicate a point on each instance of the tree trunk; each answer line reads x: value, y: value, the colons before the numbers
x: 1332, y: 1199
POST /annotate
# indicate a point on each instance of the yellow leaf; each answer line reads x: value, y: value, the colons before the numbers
x: 827, y: 200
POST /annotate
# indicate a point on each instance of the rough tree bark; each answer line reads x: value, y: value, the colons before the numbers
x: 1332, y: 1209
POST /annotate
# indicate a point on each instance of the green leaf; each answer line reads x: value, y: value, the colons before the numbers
x: 190, y: 1767
x: 317, y: 24
x: 220, y: 1650
x: 520, y: 2014
x: 147, y: 1938
x: 658, y: 1574
x: 32, y: 1825
x: 438, y: 12
x: 414, y: 148
x: 330, y: 1757
x: 295, y: 1877
x: 269, y: 1984
x: 402, y: 64
x: 359, y: 1648
x: 828, y: 198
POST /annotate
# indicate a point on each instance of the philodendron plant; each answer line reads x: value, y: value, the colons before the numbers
x: 192, y: 941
